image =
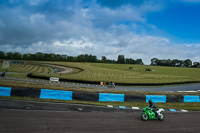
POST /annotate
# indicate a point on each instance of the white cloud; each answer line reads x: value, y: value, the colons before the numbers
x: 2, y: 24
x: 193, y: 46
x: 35, y: 18
x: 190, y: 0
x: 94, y: 30
x: 82, y: 43
x: 35, y: 2
x: 144, y: 47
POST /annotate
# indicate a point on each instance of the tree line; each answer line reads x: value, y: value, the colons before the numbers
x: 174, y: 63
x: 39, y: 56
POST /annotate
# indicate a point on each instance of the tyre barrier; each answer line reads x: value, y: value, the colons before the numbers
x: 31, y: 75
x: 88, y: 96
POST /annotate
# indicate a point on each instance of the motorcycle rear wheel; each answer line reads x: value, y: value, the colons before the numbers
x: 161, y: 117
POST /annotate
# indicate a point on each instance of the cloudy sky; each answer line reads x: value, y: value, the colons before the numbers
x: 165, y: 29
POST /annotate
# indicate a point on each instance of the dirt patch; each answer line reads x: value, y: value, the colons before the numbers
x: 65, y: 70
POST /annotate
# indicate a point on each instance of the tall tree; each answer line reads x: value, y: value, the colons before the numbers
x: 195, y: 64
x: 154, y: 61
x: 9, y: 55
x: 130, y: 61
x: 121, y: 59
x: 103, y: 59
x: 92, y: 58
x: 174, y: 62
x: 2, y: 55
x: 39, y: 56
x: 139, y: 62
x: 17, y: 56
x: 187, y: 63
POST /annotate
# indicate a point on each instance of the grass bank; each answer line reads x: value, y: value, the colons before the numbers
x: 118, y: 73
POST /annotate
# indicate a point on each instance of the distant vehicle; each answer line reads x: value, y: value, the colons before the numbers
x: 3, y: 74
x: 111, y: 85
x: 148, y: 113
x: 54, y: 79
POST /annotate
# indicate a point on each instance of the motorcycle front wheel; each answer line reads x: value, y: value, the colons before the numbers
x: 144, y: 116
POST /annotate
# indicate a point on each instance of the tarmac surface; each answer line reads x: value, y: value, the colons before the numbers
x: 45, y: 117
x: 24, y: 121
x: 51, y: 106
x: 191, y: 87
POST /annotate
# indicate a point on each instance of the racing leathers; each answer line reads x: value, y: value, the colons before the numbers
x: 152, y: 105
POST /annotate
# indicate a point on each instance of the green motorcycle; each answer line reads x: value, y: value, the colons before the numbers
x: 148, y: 113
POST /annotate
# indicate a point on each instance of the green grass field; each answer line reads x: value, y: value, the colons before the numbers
x: 21, y: 70
x: 119, y: 73
x: 27, y: 68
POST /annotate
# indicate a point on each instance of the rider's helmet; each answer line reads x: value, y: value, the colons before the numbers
x: 150, y: 101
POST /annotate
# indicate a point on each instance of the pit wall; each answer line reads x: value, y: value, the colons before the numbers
x: 87, y: 96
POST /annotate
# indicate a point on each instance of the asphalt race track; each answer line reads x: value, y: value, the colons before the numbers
x: 45, y: 117
x: 191, y: 87
x: 23, y: 121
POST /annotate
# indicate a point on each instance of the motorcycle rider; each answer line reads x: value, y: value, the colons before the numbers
x: 111, y: 84
x: 152, y: 105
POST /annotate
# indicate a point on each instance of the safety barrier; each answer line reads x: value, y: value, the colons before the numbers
x: 5, y: 91
x: 25, y: 92
x: 189, y: 98
x: 55, y: 94
x: 88, y: 96
x: 156, y: 98
x: 109, y: 97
